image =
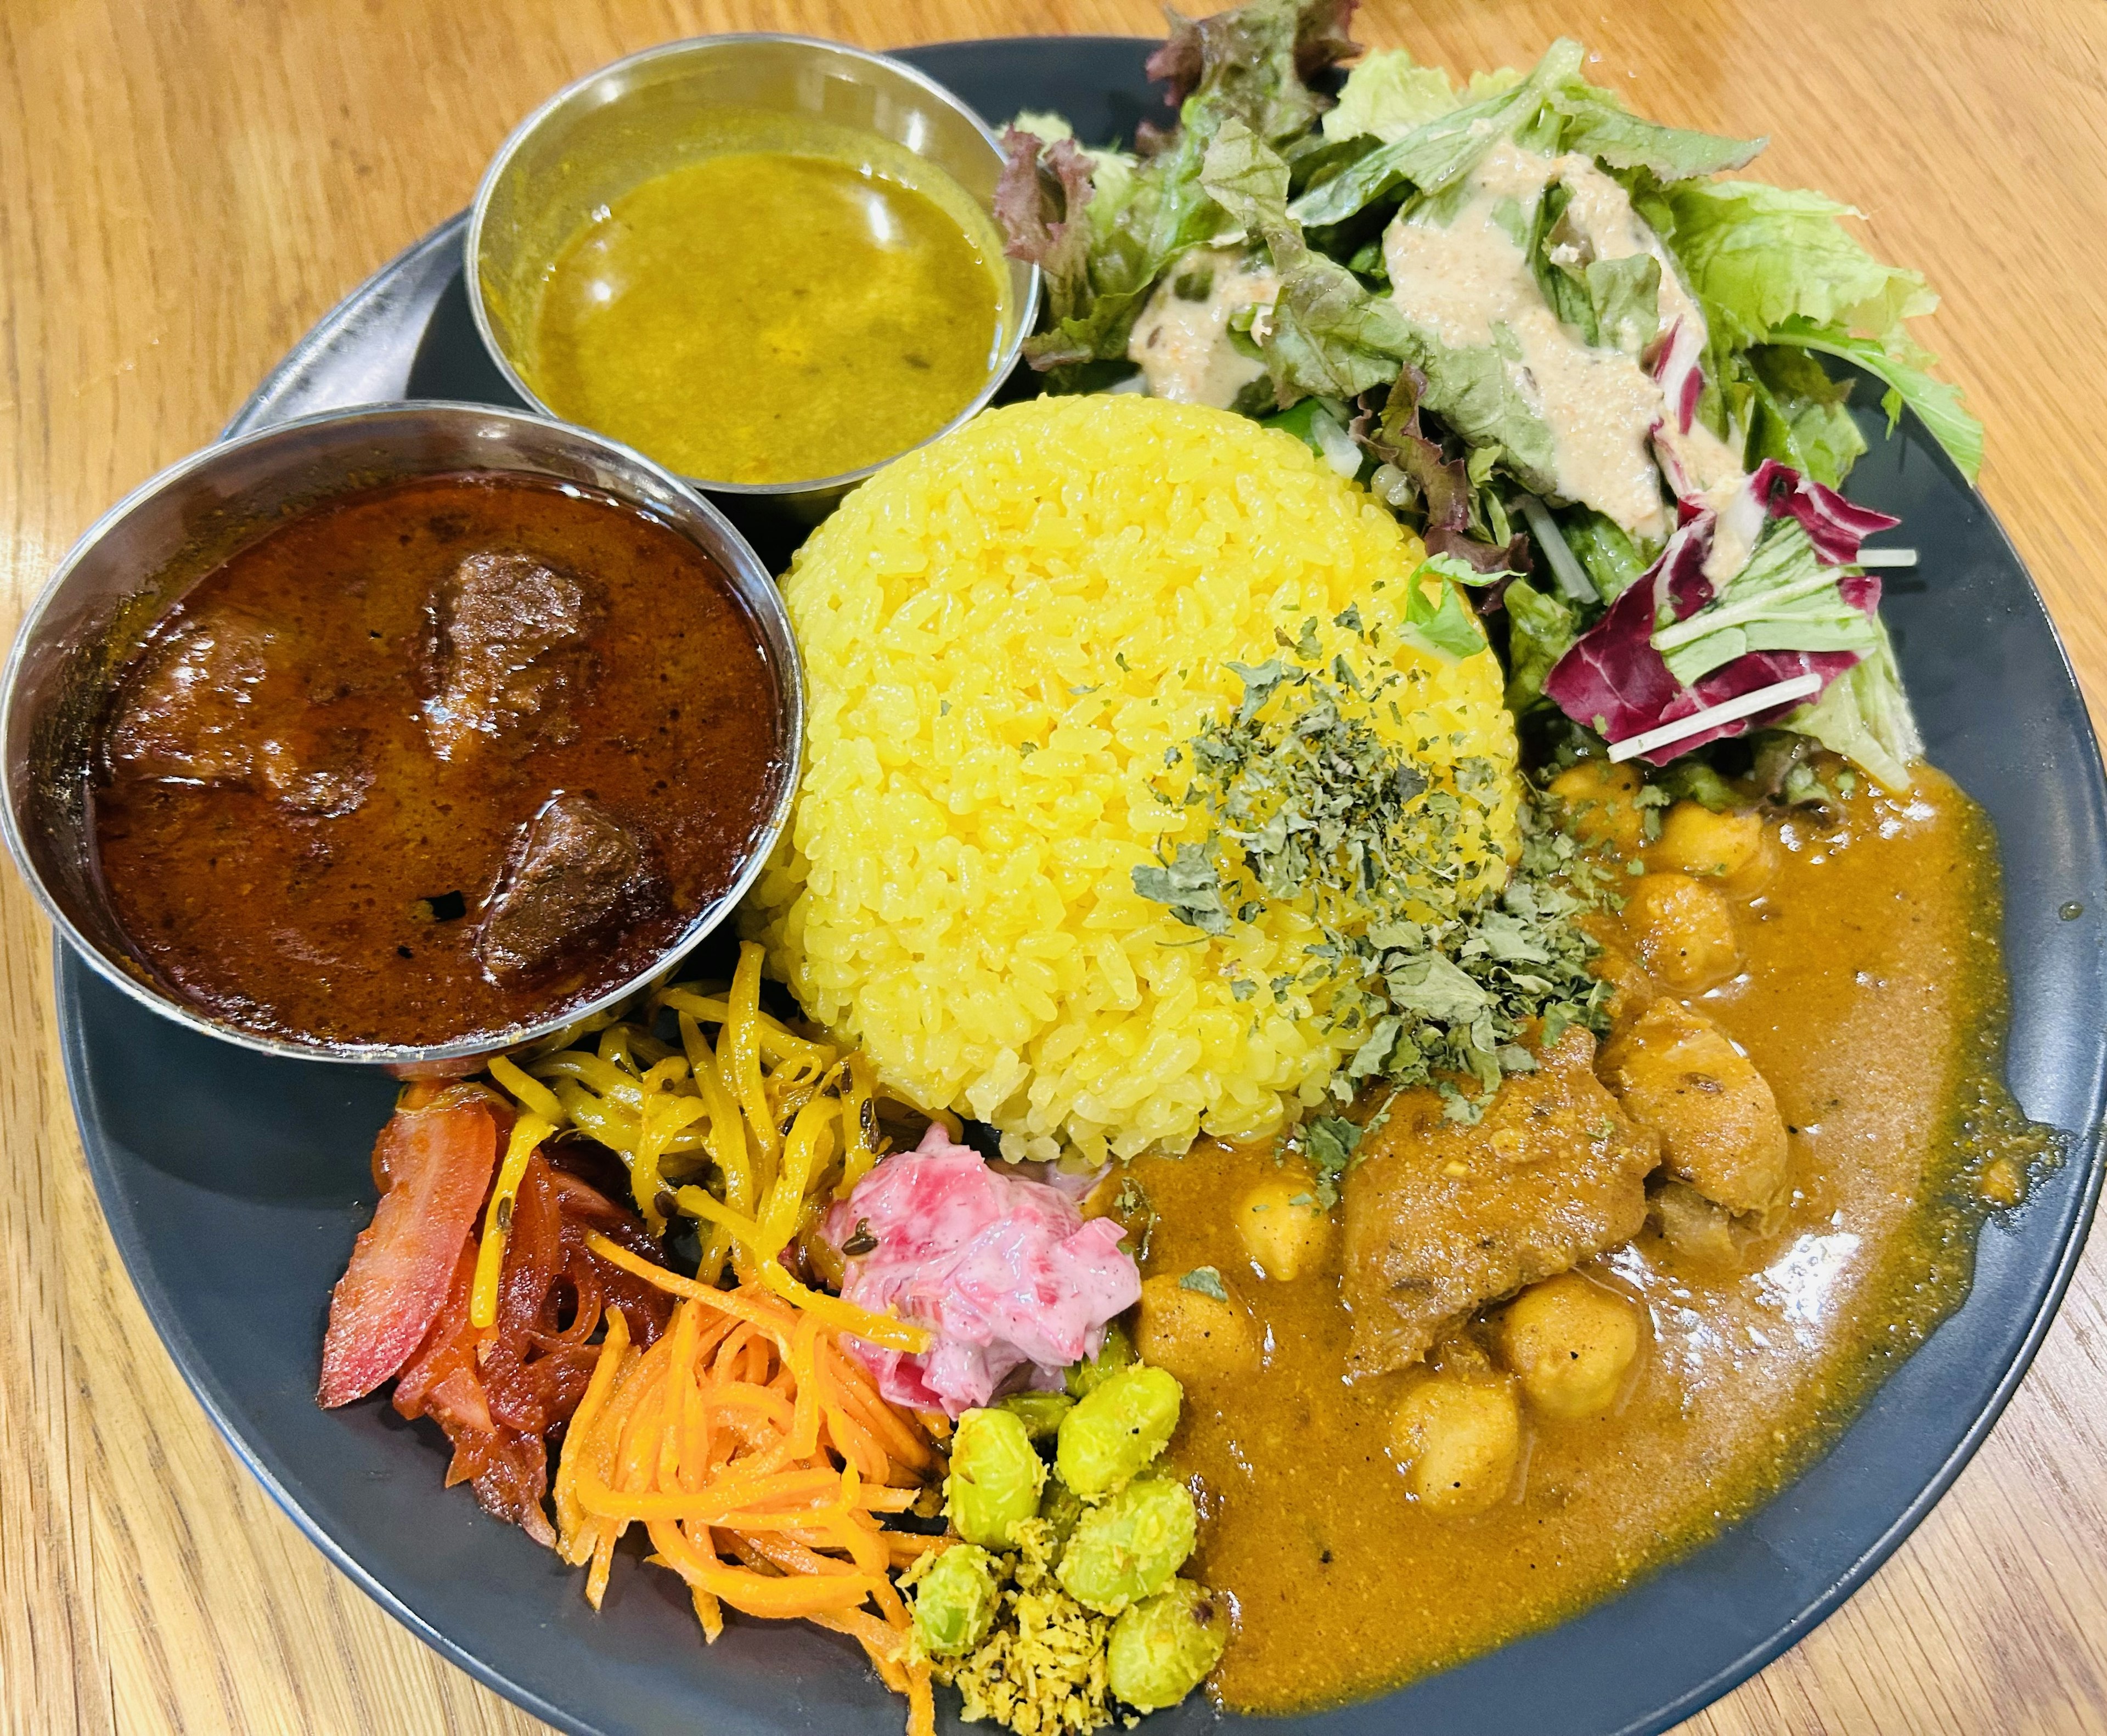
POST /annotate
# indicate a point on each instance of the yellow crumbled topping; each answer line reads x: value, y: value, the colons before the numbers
x: 1041, y: 1670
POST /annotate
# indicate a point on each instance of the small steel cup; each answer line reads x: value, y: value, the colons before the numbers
x: 616, y: 128
x: 139, y: 560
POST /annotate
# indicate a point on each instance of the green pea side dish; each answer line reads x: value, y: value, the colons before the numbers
x: 1063, y: 1599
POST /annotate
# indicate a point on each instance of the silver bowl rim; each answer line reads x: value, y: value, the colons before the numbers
x: 706, y: 922
x: 472, y: 247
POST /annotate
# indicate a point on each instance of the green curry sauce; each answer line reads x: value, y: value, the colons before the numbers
x: 766, y: 317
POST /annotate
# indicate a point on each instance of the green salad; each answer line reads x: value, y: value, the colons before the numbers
x: 1593, y: 371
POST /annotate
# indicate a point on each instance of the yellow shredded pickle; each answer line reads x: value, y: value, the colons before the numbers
x: 527, y: 1133
x: 744, y: 1125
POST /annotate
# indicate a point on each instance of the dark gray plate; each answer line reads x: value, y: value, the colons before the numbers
x: 234, y: 1183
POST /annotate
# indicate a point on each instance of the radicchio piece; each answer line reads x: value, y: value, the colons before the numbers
x: 1678, y: 368
x: 1612, y: 680
x: 1005, y: 1272
x: 1611, y: 677
x: 1833, y: 524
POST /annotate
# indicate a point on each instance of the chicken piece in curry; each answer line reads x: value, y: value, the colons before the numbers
x: 1529, y: 1353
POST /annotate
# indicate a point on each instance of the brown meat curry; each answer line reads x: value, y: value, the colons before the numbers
x: 434, y: 761
x: 1525, y: 1360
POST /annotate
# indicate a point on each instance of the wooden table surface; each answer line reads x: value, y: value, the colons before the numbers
x: 186, y: 186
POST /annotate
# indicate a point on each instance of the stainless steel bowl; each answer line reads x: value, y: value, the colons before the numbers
x: 616, y: 128
x: 147, y: 551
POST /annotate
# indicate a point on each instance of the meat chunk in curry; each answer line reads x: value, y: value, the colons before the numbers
x: 581, y: 873
x: 1677, y: 1072
x: 1441, y: 1218
x: 509, y: 654
x: 185, y: 717
x: 182, y: 715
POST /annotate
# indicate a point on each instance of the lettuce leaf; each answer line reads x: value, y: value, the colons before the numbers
x: 1541, y: 628
x: 1329, y: 337
x: 1443, y: 623
x: 1901, y: 365
x: 1244, y: 175
x: 1439, y: 152
x: 1473, y: 390
x: 1100, y: 250
x: 1759, y: 255
x: 1600, y: 126
x: 1613, y: 302
x: 1865, y: 715
x: 1774, y: 266
x: 1438, y: 485
x: 1254, y: 61
x: 1798, y: 415
x: 1413, y: 473
x: 1140, y: 218
x: 1600, y: 546
x: 1624, y: 296
x: 1430, y: 142
x: 1388, y: 94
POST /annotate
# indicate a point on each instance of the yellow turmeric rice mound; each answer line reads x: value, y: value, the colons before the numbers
x: 1006, y: 635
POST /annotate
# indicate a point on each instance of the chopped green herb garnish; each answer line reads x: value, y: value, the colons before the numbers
x: 1428, y: 974
x: 1329, y: 1142
x: 1208, y: 1281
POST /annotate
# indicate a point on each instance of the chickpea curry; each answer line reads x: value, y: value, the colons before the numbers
x: 1526, y: 1357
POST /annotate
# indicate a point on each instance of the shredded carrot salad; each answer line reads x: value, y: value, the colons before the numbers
x: 758, y: 1456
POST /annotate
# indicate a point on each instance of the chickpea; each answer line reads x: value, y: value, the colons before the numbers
x: 1686, y: 930
x: 1731, y: 850
x: 1601, y: 800
x: 1283, y: 1228
x: 1458, y: 1440
x: 1571, y: 1343
x: 1194, y: 1335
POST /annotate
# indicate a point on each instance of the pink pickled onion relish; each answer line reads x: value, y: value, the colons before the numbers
x: 1006, y: 1273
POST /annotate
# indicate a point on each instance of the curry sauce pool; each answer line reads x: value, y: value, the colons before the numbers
x: 1872, y: 1000
x: 766, y: 317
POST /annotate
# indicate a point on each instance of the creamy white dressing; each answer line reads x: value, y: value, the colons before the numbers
x: 1182, y: 347
x: 1464, y: 278
x: 1715, y: 477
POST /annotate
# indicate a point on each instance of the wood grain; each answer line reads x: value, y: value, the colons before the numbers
x: 187, y: 185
